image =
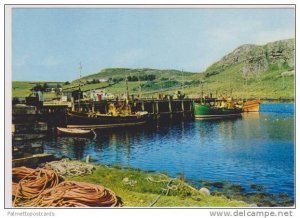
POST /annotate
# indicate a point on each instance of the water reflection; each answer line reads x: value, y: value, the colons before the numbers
x: 257, y: 148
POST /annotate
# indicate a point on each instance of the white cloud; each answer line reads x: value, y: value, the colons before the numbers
x: 270, y: 36
x: 130, y: 57
x: 21, y: 61
x: 254, y: 32
x: 51, y: 61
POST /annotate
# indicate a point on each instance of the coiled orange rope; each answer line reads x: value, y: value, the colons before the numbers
x: 77, y: 194
x: 44, y: 188
x: 19, y: 173
x: 34, y: 183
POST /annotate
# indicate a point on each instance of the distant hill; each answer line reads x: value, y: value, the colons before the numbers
x: 151, y: 80
x: 249, y: 71
x: 123, y: 72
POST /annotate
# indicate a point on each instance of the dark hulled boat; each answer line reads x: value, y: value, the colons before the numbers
x: 103, y: 121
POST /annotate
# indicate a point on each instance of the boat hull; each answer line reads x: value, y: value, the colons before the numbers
x: 251, y: 106
x: 74, y: 132
x: 205, y: 112
x: 85, y: 121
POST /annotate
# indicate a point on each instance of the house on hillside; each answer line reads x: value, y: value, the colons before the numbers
x: 53, y: 87
x: 103, y: 80
x: 93, y: 81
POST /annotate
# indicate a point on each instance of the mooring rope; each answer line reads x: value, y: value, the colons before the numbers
x: 164, y: 192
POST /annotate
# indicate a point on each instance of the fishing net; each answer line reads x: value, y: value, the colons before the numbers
x: 66, y: 167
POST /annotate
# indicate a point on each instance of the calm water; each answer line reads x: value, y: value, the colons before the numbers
x: 258, y: 148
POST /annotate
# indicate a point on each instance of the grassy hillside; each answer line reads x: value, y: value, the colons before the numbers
x: 23, y: 88
x: 273, y: 83
x: 250, y: 71
x: 123, y: 72
x: 151, y: 80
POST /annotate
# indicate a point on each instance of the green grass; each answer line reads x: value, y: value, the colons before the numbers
x: 144, y: 192
x: 276, y: 82
x: 22, y: 89
x: 123, y: 72
x: 268, y: 84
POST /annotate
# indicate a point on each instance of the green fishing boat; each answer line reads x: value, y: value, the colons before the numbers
x: 206, y: 111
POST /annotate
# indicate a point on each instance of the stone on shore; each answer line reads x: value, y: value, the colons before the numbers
x: 204, y: 191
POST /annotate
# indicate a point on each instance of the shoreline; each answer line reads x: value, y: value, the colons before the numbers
x: 135, y: 187
x: 141, y: 188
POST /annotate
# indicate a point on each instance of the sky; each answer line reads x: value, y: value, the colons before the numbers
x: 49, y: 43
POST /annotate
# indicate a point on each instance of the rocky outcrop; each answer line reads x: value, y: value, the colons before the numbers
x: 257, y: 59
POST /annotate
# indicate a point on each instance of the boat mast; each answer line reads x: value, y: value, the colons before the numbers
x: 80, y: 68
x: 182, y: 82
x: 127, y: 92
x: 140, y: 87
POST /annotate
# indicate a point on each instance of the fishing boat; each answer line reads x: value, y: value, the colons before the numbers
x: 209, y: 112
x: 251, y: 106
x: 104, y: 121
x: 74, y: 132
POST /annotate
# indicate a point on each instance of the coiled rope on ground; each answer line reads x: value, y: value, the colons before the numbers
x: 66, y: 167
x: 77, y: 194
x: 31, y: 183
x: 19, y: 173
x: 45, y: 188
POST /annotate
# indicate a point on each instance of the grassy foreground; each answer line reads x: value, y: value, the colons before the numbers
x: 138, y: 188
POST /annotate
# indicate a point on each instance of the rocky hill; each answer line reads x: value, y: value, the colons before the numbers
x: 258, y: 59
x: 263, y: 71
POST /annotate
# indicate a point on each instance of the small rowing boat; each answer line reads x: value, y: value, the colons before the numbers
x: 75, y: 132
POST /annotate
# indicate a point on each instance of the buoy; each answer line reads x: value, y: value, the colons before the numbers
x: 87, y: 159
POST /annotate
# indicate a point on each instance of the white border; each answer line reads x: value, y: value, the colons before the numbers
x: 7, y: 125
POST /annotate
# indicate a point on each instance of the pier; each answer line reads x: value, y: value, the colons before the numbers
x: 54, y: 114
x: 158, y: 109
